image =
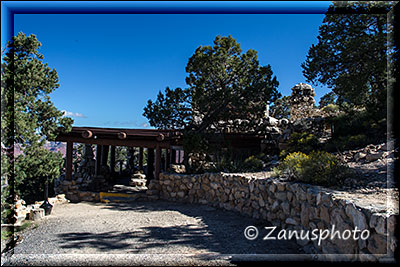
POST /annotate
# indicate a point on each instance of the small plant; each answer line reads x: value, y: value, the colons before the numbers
x: 319, y: 167
x: 6, y: 234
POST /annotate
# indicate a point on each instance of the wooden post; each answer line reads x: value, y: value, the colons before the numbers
x: 158, y: 161
x: 104, y: 155
x: 98, y: 160
x: 173, y: 156
x: 167, y: 159
x: 150, y: 163
x: 140, y: 158
x: 68, y: 165
x: 112, y: 159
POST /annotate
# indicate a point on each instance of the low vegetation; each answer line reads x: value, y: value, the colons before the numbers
x: 318, y: 167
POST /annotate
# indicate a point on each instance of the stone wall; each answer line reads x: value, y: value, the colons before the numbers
x: 287, y: 205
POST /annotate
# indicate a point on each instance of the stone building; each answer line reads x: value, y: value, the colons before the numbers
x: 302, y: 101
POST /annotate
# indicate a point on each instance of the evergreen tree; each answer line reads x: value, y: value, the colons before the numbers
x: 352, y: 54
x: 28, y: 116
x: 224, y: 84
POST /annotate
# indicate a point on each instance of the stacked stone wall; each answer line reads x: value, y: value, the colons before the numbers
x: 287, y: 205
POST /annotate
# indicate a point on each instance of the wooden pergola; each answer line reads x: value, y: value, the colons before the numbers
x: 154, y: 141
x: 107, y: 139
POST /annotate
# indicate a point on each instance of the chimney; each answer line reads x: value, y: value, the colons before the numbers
x: 267, y: 110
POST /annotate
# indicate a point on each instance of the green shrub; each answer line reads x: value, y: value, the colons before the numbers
x: 228, y: 163
x: 301, y: 142
x: 349, y: 142
x: 33, y: 169
x: 330, y: 109
x: 253, y: 163
x: 319, y: 168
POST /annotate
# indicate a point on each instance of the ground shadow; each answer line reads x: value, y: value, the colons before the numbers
x: 220, y: 232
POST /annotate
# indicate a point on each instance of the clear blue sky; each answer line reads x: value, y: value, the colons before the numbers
x: 110, y: 65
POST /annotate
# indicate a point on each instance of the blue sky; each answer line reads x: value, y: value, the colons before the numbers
x: 109, y: 65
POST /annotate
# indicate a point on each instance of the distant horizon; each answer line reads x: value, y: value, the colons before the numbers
x: 109, y: 65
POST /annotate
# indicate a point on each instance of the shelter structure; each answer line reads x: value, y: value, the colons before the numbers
x: 153, y: 140
x: 107, y: 139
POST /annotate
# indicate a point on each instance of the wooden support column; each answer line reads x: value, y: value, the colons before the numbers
x: 158, y: 161
x: 150, y: 164
x: 68, y: 165
x: 140, y: 158
x: 98, y: 160
x: 112, y: 159
x: 104, y: 155
x: 173, y: 156
x: 167, y: 159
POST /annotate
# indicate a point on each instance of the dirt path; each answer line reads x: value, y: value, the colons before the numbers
x: 147, y: 233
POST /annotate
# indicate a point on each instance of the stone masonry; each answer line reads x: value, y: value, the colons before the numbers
x: 290, y: 206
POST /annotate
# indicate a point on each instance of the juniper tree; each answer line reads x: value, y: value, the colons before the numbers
x: 352, y: 54
x: 28, y: 116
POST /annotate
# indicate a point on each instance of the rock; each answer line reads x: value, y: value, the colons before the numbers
x: 261, y: 202
x: 377, y: 244
x: 275, y: 205
x: 281, y: 196
x: 373, y: 156
x: 357, y: 217
x: 36, y: 214
x: 359, y: 155
x: 378, y: 221
x: 280, y: 186
x: 289, y: 196
x: 291, y: 221
x: 272, y: 188
x: 324, y: 214
x: 285, y: 207
x: 305, y: 213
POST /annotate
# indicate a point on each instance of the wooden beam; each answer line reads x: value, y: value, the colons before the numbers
x: 114, y: 142
x: 68, y: 166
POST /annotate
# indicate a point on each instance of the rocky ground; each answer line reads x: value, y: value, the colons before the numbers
x: 372, y: 180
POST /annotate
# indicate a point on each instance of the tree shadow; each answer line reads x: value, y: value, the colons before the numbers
x: 217, y: 231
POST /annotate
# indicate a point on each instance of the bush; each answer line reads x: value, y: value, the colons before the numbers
x: 253, y: 163
x: 228, y: 163
x: 348, y: 142
x: 301, y: 142
x: 35, y: 167
x: 319, y: 168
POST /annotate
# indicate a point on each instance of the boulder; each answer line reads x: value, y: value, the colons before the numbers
x: 373, y: 156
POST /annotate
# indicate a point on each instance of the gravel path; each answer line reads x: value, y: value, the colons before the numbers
x: 145, y: 233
